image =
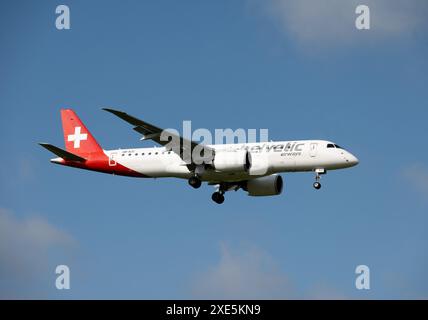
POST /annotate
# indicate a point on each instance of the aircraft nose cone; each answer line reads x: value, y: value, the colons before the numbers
x: 352, y: 160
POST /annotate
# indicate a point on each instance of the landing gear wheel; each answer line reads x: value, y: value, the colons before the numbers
x: 317, y: 185
x: 195, y: 182
x: 218, y: 197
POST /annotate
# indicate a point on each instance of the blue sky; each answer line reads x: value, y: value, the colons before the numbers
x: 298, y: 68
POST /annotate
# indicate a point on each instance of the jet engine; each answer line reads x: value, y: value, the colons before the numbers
x: 264, y: 186
x: 232, y: 161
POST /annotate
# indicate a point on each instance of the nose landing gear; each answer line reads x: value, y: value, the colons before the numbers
x: 317, y: 185
x: 318, y: 172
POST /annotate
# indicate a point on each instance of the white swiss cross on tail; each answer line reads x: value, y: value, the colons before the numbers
x: 77, y: 137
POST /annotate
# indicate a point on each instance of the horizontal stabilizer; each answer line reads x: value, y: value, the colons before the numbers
x: 62, y: 153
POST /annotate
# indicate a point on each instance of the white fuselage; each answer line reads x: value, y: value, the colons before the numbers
x: 267, y: 158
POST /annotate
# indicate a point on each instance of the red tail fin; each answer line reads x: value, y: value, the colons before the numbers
x: 78, y: 139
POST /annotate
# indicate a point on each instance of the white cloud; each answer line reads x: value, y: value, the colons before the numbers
x: 251, y: 273
x: 417, y: 175
x: 247, y: 274
x: 326, y: 23
x: 25, y: 247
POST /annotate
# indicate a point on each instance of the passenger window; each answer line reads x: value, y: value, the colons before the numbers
x: 156, y: 153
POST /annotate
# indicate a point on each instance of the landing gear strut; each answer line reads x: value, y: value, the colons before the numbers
x: 195, y: 182
x: 318, y: 172
x: 218, y: 197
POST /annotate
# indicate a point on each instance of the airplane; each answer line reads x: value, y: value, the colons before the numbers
x: 253, y: 167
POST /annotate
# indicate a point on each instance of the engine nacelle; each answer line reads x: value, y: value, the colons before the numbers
x: 265, y: 186
x: 232, y: 161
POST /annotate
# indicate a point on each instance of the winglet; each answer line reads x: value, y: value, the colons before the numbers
x: 111, y: 110
x: 118, y: 113
x: 126, y: 117
x: 62, y: 153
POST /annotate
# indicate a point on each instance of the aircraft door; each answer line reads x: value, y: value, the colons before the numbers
x: 112, y: 159
x: 313, y: 149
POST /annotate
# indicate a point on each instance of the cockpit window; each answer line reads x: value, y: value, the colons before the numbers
x: 330, y: 145
x: 338, y: 147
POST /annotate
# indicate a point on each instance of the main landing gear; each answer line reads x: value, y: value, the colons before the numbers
x: 221, y: 188
x: 318, y: 172
x: 195, y: 182
x: 218, y: 197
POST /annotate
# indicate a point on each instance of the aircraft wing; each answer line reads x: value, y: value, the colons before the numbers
x: 149, y: 131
